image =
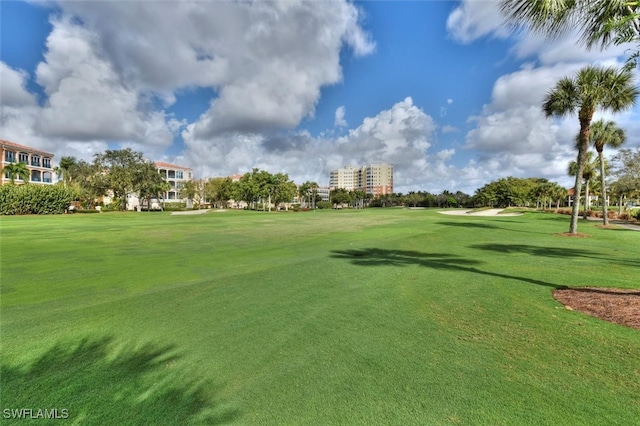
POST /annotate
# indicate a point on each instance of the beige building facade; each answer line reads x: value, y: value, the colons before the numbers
x: 39, y: 163
x: 376, y: 179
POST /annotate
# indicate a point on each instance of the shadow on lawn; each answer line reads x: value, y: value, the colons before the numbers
x: 94, y: 386
x: 384, y: 257
x: 558, y: 252
x: 478, y: 225
x: 468, y: 224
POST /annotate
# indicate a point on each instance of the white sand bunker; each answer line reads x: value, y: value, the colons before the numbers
x: 201, y: 211
x: 488, y: 212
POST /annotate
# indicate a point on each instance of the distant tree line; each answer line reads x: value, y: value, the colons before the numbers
x: 120, y: 173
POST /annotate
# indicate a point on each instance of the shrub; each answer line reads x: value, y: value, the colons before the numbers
x: 175, y: 207
x: 35, y: 199
x: 624, y: 216
x: 111, y: 207
x: 324, y: 205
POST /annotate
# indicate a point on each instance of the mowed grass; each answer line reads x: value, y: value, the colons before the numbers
x: 382, y: 316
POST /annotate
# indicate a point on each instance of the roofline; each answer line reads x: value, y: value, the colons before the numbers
x: 8, y: 144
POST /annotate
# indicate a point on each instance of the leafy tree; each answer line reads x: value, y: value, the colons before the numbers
x: 600, y: 22
x: 123, y: 169
x: 605, y: 134
x: 246, y: 189
x: 340, y: 196
x: 89, y: 180
x: 150, y: 184
x: 413, y: 198
x: 265, y: 183
x: 17, y: 171
x: 592, y: 88
x: 283, y: 189
x: 190, y: 191
x: 461, y: 198
x: 626, y: 169
x: 219, y: 190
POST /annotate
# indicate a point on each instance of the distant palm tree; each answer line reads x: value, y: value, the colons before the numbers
x: 592, y: 88
x: 64, y: 169
x: 588, y: 174
x: 605, y: 133
x: 17, y: 170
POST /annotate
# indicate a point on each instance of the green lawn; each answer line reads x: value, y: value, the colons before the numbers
x: 382, y: 316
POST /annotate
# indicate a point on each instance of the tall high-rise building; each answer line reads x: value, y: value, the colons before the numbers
x: 376, y: 179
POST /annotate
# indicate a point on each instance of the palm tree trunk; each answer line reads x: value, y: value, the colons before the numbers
x: 620, y: 205
x: 582, y: 154
x: 586, y: 198
x: 603, y: 190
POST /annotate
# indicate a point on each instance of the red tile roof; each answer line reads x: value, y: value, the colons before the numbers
x: 7, y: 144
x: 171, y: 166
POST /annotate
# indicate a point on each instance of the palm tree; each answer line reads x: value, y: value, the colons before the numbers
x: 588, y: 174
x: 605, y: 133
x: 558, y: 193
x: 601, y: 22
x: 593, y: 87
x: 17, y: 170
x: 64, y: 169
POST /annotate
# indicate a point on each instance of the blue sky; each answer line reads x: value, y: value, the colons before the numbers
x: 441, y: 89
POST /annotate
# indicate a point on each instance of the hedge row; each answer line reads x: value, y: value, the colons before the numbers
x: 34, y: 199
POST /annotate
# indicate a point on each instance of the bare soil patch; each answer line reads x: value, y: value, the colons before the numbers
x: 616, y: 305
x: 576, y: 235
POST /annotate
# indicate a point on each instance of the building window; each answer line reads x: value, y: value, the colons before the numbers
x: 35, y: 160
x: 23, y: 157
x: 46, y: 162
x: 179, y: 174
x: 46, y: 177
x: 35, y: 176
x: 172, y: 174
x: 9, y: 156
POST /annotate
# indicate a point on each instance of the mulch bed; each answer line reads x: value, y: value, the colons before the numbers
x: 616, y: 305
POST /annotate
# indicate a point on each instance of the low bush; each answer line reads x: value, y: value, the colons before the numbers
x: 35, y: 199
x: 175, y: 207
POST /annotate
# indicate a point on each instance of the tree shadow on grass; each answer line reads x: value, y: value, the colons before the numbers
x: 87, y: 383
x: 461, y: 224
x: 441, y: 261
x: 480, y: 225
x: 557, y: 252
